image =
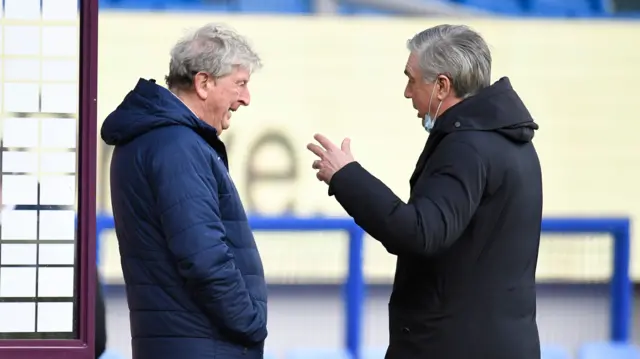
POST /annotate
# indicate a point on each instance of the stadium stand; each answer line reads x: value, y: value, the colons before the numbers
x: 519, y: 8
x: 374, y: 353
x: 309, y: 353
x: 616, y: 349
x: 609, y: 351
x: 545, y: 8
x: 554, y: 352
x: 110, y: 354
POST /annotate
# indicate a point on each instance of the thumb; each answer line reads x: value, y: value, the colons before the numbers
x: 346, y: 146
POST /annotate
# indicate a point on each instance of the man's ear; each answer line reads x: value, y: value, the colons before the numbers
x: 445, y: 87
x: 201, y: 84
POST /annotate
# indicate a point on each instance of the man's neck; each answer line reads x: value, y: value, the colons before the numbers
x: 186, y: 101
x: 194, y: 105
x: 448, y: 103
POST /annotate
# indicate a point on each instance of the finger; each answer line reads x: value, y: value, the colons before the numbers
x: 317, y: 164
x: 317, y: 150
x: 328, y: 145
x: 346, y: 145
x: 319, y: 176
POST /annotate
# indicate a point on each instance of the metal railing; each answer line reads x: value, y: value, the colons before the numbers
x: 355, y: 284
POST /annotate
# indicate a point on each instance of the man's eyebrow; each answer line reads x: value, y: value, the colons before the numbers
x: 406, y: 72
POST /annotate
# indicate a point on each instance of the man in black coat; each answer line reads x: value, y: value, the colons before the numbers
x: 467, y: 239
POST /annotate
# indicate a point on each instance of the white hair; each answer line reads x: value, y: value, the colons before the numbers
x: 214, y: 49
x: 457, y: 52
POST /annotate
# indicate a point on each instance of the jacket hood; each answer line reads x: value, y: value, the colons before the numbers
x: 496, y: 108
x: 149, y: 106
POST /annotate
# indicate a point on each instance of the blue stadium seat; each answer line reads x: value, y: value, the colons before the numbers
x: 355, y: 10
x: 163, y: 5
x: 609, y: 351
x: 554, y: 352
x: 374, y: 353
x: 318, y: 354
x: 565, y: 8
x: 503, y: 7
x: 275, y: 6
x: 110, y: 354
x: 132, y: 4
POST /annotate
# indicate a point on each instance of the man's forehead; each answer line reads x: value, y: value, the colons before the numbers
x: 239, y: 73
x: 411, y: 69
x: 407, y: 71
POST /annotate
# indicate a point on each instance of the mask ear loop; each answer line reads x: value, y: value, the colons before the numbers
x: 425, y: 122
x: 435, y: 116
x: 440, y: 104
x: 437, y: 111
x: 433, y: 91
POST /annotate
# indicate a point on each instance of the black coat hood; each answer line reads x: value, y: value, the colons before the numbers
x: 495, y: 108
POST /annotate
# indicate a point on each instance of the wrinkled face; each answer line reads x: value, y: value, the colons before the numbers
x: 417, y: 89
x: 223, y: 96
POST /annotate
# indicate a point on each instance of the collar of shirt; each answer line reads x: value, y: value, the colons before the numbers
x: 185, y: 105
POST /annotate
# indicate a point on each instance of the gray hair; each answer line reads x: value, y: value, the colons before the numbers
x: 457, y: 52
x: 214, y: 49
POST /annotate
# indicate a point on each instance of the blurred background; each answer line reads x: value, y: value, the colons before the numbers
x: 336, y: 67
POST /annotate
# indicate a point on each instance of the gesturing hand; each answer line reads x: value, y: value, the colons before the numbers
x: 332, y: 158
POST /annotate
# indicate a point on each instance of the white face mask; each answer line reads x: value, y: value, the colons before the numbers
x: 428, y: 122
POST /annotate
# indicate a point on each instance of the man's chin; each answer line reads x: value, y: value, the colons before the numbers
x: 226, y: 124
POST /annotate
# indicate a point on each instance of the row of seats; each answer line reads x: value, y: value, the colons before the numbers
x: 552, y: 8
x: 588, y: 351
x: 609, y: 351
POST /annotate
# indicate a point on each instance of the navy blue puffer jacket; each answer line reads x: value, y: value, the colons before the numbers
x: 194, y: 278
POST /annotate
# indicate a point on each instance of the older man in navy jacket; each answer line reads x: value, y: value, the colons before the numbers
x: 194, y: 278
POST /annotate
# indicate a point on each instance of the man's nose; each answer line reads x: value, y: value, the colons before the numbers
x: 407, y: 93
x: 244, y: 98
